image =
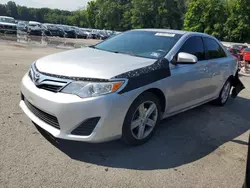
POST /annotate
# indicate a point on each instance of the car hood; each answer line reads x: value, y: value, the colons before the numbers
x: 90, y: 63
x: 9, y: 24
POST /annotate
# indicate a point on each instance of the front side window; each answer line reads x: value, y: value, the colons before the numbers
x: 194, y: 45
x: 147, y: 44
x: 213, y: 48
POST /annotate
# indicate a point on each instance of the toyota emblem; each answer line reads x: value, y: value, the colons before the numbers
x: 36, y: 77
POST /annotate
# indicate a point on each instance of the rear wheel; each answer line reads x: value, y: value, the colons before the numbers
x: 141, y: 119
x: 224, y: 94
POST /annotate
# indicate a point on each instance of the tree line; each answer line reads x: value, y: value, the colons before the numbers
x: 227, y: 20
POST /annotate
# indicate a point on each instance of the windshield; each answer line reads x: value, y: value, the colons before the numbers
x: 146, y: 44
x: 21, y: 24
x: 7, y: 20
x: 67, y: 28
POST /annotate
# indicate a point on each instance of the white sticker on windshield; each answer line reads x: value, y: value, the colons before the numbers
x: 165, y: 34
x: 155, y: 54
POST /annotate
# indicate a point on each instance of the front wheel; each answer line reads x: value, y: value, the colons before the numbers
x: 224, y: 94
x: 141, y: 119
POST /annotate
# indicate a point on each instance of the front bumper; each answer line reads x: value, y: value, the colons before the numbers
x: 70, y: 110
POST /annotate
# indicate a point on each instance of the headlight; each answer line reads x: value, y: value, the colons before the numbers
x: 86, y: 89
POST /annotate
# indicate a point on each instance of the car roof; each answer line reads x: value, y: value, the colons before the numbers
x: 180, y: 32
x: 6, y: 17
x: 33, y: 22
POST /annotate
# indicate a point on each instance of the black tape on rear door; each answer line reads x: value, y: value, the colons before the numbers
x: 146, y: 75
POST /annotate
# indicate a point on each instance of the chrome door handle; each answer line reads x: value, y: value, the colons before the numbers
x: 206, y: 68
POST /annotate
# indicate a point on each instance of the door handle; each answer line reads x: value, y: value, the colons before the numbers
x: 206, y: 68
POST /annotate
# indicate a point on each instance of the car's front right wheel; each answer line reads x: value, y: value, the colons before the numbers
x: 141, y: 119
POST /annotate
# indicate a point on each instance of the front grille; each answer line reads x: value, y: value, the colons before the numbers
x: 87, y: 127
x: 47, y: 118
x: 53, y: 88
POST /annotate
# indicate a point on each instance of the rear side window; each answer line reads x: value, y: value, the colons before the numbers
x: 194, y: 45
x: 214, y: 49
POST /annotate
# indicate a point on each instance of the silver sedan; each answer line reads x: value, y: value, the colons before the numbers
x: 123, y: 86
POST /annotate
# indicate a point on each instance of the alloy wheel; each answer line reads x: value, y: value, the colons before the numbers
x: 225, y: 92
x: 144, y: 120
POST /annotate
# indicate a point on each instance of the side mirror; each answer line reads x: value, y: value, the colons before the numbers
x: 186, y: 58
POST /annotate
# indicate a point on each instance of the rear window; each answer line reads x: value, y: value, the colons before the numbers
x: 145, y: 44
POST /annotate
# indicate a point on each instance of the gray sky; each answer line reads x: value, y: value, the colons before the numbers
x: 60, y: 4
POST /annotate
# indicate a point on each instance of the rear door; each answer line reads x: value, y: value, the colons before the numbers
x: 217, y: 65
x: 190, y: 84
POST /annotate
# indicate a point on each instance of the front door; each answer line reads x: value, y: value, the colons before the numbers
x: 189, y: 84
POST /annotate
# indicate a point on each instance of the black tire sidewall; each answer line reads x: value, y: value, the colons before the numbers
x: 127, y: 135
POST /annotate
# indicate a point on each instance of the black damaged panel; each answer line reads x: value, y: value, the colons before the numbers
x: 238, y: 85
x: 146, y: 75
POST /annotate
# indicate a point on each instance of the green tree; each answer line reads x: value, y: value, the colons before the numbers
x: 12, y: 9
x: 144, y: 13
x: 206, y: 16
x: 92, y: 11
x: 111, y: 14
x: 194, y: 17
x: 3, y: 10
x: 237, y: 27
x: 23, y: 13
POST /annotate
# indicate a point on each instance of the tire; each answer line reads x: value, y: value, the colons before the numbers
x: 146, y: 122
x: 221, y: 101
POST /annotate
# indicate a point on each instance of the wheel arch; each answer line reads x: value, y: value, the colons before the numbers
x: 159, y: 94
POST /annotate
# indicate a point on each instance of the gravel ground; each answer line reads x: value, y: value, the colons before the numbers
x: 204, y: 147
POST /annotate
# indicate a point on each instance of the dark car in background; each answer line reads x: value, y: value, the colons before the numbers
x: 239, y: 47
x: 55, y: 31
x: 70, y: 31
x: 235, y: 52
x: 7, y: 25
x: 37, y: 29
x: 22, y: 26
x: 80, y: 33
x: 94, y: 34
x: 102, y: 35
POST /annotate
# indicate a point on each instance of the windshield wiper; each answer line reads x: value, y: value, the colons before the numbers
x: 126, y: 53
x: 92, y: 46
